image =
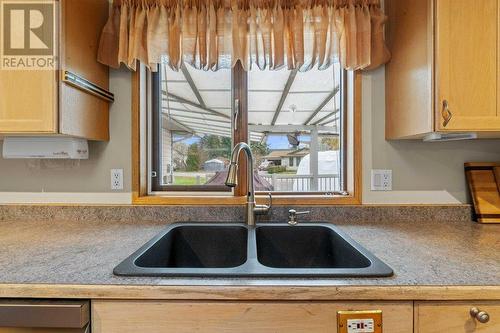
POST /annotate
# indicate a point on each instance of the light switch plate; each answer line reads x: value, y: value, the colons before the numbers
x: 381, y: 180
x: 359, y: 321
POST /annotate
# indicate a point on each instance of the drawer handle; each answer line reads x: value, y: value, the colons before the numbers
x: 446, y: 113
x: 481, y: 316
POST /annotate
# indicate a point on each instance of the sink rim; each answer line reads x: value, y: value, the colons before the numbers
x: 252, y: 267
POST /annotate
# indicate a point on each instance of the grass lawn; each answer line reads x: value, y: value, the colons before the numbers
x: 285, y: 173
x: 180, y: 180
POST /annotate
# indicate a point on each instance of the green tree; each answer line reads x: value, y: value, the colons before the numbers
x: 216, y: 146
x: 193, y: 158
x: 259, y: 150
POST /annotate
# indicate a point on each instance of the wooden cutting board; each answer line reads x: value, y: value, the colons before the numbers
x: 484, y: 184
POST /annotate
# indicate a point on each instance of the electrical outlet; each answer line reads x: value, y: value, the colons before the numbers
x: 381, y: 180
x: 359, y: 321
x: 117, y: 179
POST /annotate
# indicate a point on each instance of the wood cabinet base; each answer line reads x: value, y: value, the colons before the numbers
x: 241, y: 317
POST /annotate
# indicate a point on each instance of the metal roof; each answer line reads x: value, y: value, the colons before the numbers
x: 199, y: 103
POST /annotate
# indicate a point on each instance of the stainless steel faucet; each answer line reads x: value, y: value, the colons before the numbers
x: 232, y: 181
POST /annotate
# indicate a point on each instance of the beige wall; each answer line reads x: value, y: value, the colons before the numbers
x: 423, y: 172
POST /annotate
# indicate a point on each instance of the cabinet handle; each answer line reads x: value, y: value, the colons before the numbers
x: 446, y: 113
x: 481, y: 316
x: 81, y: 83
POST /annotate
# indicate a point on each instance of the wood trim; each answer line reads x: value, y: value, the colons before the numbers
x: 358, y: 138
x: 313, y: 201
x: 252, y: 293
x: 240, y: 80
x: 156, y: 129
x: 482, y: 164
x: 344, y: 175
x: 139, y: 169
x: 188, y: 200
x: 241, y: 200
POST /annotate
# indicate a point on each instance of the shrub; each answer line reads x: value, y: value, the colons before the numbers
x: 276, y: 169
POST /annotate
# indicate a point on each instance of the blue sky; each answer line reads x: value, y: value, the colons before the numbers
x: 278, y: 142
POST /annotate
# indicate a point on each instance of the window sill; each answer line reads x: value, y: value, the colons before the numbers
x: 282, y: 200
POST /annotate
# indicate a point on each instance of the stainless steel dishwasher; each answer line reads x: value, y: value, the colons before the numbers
x: 44, y: 316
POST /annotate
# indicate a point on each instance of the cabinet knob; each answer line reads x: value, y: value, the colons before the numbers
x: 481, y: 316
x: 446, y: 113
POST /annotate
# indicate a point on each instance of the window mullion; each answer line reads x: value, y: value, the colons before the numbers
x: 156, y: 132
x: 240, y: 132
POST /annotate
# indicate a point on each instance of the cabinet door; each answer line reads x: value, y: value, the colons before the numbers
x: 455, y: 317
x: 28, y: 102
x: 241, y: 317
x: 82, y: 114
x: 467, y: 65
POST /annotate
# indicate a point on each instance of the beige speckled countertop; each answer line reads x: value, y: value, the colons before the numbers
x: 431, y: 260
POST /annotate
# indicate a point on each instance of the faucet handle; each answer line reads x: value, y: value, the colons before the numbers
x: 264, y: 209
x: 292, y: 216
x: 270, y: 200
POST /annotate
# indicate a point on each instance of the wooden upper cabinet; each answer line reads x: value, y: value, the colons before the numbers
x: 467, y: 64
x: 40, y: 102
x: 445, y: 68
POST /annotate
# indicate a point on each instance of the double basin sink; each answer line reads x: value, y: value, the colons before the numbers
x: 267, y: 250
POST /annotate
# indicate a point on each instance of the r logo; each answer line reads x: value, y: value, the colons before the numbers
x: 28, y: 28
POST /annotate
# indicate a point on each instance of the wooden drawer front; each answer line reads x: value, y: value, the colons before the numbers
x: 251, y: 317
x: 454, y: 317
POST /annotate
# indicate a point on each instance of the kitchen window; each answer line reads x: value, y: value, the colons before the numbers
x: 282, y: 76
x: 298, y: 124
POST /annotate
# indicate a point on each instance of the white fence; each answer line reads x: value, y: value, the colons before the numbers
x: 303, y: 183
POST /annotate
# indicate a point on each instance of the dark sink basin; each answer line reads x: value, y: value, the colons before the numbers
x: 198, y: 247
x: 190, y: 249
x: 306, y: 247
x: 268, y: 250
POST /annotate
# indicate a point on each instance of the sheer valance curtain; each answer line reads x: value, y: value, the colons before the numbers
x: 214, y: 34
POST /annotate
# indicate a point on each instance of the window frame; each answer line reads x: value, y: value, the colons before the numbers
x: 141, y: 154
x: 156, y: 141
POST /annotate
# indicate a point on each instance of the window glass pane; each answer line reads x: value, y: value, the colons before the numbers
x: 195, y: 131
x: 295, y: 128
